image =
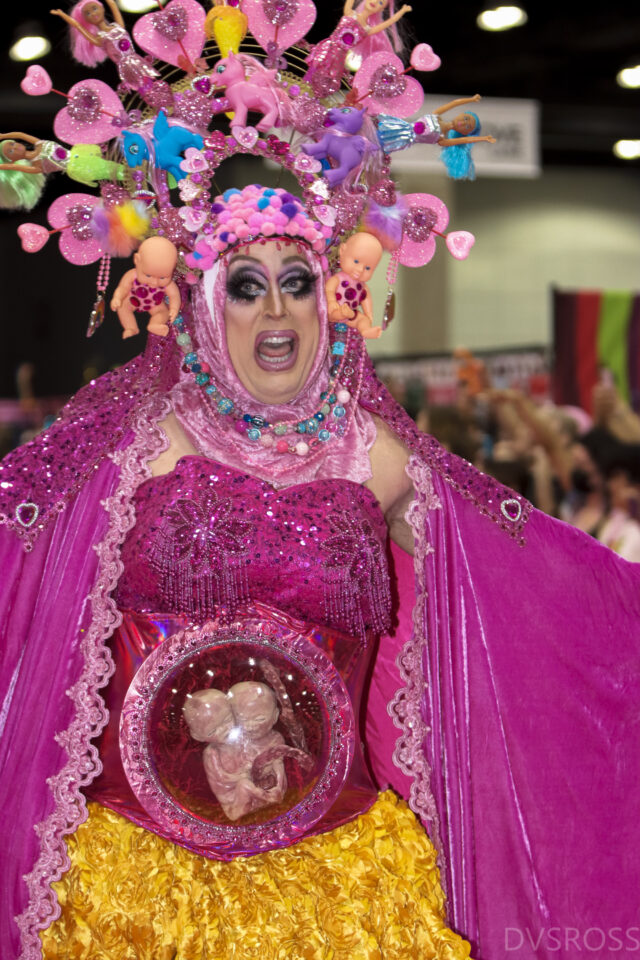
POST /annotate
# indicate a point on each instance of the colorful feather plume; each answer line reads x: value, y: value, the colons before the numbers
x: 121, y: 228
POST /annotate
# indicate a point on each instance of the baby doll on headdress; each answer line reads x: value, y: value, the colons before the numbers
x: 144, y: 289
x: 238, y: 729
x: 348, y: 297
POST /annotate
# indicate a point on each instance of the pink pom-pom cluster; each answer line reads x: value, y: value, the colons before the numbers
x: 255, y: 212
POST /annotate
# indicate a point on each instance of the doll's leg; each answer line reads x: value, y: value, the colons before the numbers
x: 159, y: 320
x: 364, y: 326
x: 128, y: 321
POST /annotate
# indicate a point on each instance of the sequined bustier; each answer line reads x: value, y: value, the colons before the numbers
x: 206, y: 534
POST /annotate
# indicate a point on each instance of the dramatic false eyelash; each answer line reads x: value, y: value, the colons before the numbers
x: 244, y: 286
x: 307, y: 282
x: 238, y: 284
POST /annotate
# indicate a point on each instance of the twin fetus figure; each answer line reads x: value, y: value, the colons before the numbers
x: 244, y: 757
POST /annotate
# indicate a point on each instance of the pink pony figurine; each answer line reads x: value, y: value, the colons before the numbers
x: 348, y: 296
x: 249, y: 86
x: 144, y: 289
x: 327, y: 59
x: 94, y: 38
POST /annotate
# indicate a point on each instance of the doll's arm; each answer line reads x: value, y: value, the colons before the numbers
x: 458, y: 141
x: 123, y: 290
x: 347, y: 10
x: 175, y: 300
x: 17, y: 166
x: 77, y: 26
x: 19, y: 136
x: 367, y: 307
x: 389, y: 23
x: 115, y: 12
x: 454, y: 104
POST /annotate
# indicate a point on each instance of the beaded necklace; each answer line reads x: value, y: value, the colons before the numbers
x: 298, y: 437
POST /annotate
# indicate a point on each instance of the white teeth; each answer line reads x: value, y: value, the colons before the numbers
x: 276, y: 341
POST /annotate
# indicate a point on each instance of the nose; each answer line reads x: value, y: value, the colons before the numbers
x: 274, y: 302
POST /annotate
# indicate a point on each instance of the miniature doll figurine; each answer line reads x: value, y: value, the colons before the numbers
x: 238, y: 729
x: 94, y: 38
x: 341, y: 143
x: 348, y: 297
x: 144, y: 288
x: 456, y: 136
x: 327, y: 59
x: 83, y: 162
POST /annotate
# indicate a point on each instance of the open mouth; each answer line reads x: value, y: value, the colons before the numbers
x: 276, y: 350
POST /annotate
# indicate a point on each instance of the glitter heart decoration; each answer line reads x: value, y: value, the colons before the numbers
x: 246, y: 136
x: 93, y: 114
x: 36, y: 82
x: 384, y: 87
x: 426, y: 217
x: 423, y: 58
x: 33, y: 236
x: 459, y: 243
x: 85, y: 247
x: 172, y: 24
x: 167, y: 42
x: 282, y: 22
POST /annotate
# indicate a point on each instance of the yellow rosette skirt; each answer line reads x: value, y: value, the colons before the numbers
x: 369, y: 890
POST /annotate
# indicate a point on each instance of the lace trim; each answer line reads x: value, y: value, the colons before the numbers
x: 83, y: 763
x: 406, y: 706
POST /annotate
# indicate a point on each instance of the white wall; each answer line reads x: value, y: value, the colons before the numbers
x: 572, y: 228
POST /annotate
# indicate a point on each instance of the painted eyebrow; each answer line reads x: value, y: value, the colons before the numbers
x: 287, y: 260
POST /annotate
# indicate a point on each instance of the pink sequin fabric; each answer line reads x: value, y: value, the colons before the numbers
x: 207, y: 535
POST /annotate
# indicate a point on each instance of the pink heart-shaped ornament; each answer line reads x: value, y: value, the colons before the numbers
x: 27, y: 514
x: 246, y: 136
x: 459, y: 243
x: 105, y: 126
x: 37, y: 81
x: 33, y: 236
x: 293, y: 19
x: 159, y: 42
x: 423, y: 58
x: 325, y: 214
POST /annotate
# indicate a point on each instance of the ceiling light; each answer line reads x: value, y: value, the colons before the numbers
x: 627, y: 149
x: 137, y: 6
x: 29, y: 42
x: 501, y: 18
x: 629, y: 77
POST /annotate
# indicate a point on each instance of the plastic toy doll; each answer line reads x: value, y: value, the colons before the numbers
x: 144, y: 289
x: 348, y: 297
x: 94, y: 38
x: 327, y: 59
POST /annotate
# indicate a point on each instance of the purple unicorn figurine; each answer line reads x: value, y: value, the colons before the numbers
x: 342, y: 143
x: 249, y: 86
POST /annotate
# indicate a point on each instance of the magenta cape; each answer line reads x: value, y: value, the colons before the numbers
x: 513, y: 680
